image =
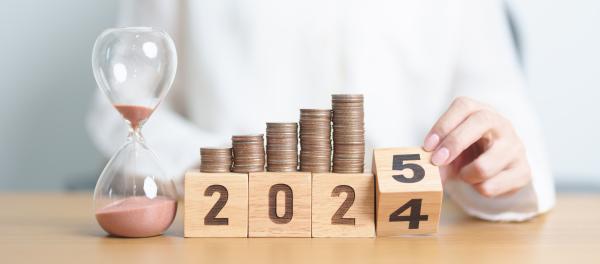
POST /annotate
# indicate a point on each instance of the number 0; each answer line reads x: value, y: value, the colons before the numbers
x: 289, y: 203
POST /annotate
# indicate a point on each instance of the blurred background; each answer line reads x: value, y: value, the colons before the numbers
x: 47, y: 85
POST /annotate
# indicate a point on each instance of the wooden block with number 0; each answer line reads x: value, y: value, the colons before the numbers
x: 409, y: 191
x: 343, y: 205
x: 215, y: 204
x: 279, y: 204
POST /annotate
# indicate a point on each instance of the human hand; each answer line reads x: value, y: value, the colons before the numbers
x: 476, y: 144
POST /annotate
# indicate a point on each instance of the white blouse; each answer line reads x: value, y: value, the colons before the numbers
x: 243, y: 63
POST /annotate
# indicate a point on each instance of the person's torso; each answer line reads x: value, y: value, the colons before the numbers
x: 244, y: 63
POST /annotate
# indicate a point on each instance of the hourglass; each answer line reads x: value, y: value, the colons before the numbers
x: 134, y: 67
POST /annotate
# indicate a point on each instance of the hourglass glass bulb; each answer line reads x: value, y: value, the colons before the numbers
x: 134, y: 67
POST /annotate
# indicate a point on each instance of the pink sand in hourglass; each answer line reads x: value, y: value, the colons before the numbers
x: 137, y: 216
x: 134, y: 113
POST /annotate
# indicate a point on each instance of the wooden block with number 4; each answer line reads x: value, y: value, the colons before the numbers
x: 215, y: 204
x: 279, y: 204
x: 343, y: 205
x: 409, y: 191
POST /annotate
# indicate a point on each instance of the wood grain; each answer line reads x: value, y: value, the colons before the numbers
x: 61, y: 228
x: 326, y: 203
x: 409, y: 192
x: 268, y: 216
x: 205, y: 193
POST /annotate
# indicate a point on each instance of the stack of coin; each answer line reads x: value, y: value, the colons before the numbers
x: 248, y: 153
x: 315, y: 140
x: 282, y: 147
x: 215, y: 159
x: 348, y: 133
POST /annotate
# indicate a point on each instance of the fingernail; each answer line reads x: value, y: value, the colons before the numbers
x: 431, y: 142
x: 440, y: 156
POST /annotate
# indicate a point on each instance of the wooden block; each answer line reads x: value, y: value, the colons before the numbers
x: 409, y: 191
x: 343, y: 205
x: 215, y: 204
x: 279, y: 204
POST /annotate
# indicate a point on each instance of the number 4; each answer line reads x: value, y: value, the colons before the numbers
x: 415, y: 214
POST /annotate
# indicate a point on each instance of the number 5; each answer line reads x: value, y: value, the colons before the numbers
x: 398, y: 164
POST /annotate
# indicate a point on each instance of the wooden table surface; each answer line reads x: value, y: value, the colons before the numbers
x: 49, y: 228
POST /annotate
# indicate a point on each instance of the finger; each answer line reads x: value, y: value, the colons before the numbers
x: 505, y: 182
x: 458, y: 111
x: 497, y: 158
x: 463, y: 136
x: 445, y: 172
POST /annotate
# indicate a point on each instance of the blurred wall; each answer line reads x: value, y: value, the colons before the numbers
x: 562, y: 63
x: 46, y: 82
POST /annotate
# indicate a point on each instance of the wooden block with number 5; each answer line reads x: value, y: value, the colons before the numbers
x: 343, y: 205
x: 215, y: 204
x: 409, y: 191
x: 279, y: 204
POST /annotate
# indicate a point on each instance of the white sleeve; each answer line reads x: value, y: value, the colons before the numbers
x: 488, y: 70
x: 175, y: 140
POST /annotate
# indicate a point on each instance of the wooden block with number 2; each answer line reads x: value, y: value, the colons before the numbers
x: 216, y: 204
x: 342, y: 205
x: 409, y: 191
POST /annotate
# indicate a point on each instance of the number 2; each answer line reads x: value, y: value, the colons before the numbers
x: 415, y: 214
x: 398, y: 164
x: 338, y: 217
x: 211, y: 217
